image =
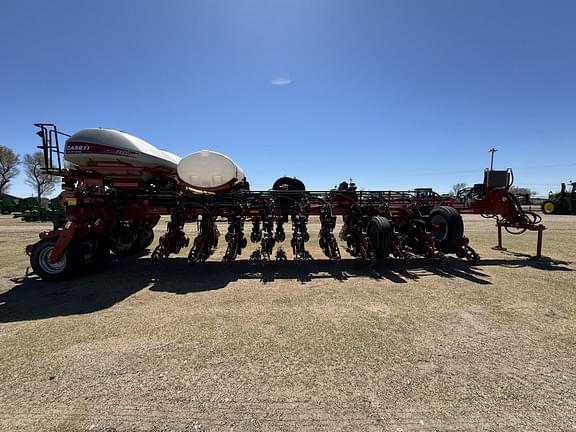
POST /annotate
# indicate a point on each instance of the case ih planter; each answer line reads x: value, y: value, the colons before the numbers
x: 116, y: 187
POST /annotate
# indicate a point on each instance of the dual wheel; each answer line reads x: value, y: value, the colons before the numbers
x: 444, y: 223
x: 380, y: 235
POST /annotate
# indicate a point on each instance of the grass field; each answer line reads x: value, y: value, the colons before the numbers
x: 312, y: 346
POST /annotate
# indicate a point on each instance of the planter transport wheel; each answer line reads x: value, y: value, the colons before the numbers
x: 447, y: 227
x: 380, y: 234
x: 65, y: 267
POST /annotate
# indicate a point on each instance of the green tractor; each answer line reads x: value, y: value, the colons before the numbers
x: 9, y: 204
x: 30, y: 211
x: 563, y: 202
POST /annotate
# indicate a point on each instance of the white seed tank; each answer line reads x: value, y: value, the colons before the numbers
x: 210, y: 171
x: 89, y: 146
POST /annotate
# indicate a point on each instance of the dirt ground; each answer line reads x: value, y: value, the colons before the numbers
x: 284, y: 347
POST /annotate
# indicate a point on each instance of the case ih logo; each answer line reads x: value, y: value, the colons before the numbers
x: 77, y: 148
x: 98, y: 149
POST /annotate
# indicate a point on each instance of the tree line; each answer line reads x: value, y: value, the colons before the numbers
x: 34, y: 169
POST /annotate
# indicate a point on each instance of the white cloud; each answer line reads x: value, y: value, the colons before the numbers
x: 281, y: 80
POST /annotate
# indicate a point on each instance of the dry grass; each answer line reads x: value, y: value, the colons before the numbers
x: 290, y: 346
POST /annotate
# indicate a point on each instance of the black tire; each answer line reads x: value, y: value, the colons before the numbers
x: 380, y: 234
x: 68, y: 265
x: 449, y: 238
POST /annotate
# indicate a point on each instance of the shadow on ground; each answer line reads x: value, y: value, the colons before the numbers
x: 32, y: 298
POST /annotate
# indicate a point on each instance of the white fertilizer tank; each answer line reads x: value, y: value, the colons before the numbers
x: 210, y: 171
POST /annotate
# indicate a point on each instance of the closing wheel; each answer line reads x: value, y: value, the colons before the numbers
x: 65, y: 267
x: 380, y: 234
x: 447, y: 227
x: 548, y: 207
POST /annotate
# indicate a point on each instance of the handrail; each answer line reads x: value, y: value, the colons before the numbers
x: 50, y: 147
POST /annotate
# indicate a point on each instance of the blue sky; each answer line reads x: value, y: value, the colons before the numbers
x: 395, y: 94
